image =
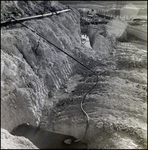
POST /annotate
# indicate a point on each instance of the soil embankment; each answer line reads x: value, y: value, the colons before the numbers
x: 43, y: 86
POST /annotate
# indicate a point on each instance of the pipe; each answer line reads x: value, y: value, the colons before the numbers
x: 32, y: 17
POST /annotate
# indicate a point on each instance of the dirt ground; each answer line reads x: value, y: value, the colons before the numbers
x: 117, y: 106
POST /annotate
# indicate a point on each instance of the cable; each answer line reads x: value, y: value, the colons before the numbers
x: 76, y: 61
x: 87, y: 125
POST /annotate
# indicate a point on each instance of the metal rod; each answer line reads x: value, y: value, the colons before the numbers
x: 33, y: 17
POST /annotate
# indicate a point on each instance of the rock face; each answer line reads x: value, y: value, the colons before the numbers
x: 32, y: 73
x: 32, y: 70
x: 43, y: 86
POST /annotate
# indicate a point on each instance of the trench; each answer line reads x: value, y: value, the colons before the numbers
x: 19, y: 131
x: 66, y: 120
x: 103, y: 105
x: 107, y: 113
x: 69, y: 122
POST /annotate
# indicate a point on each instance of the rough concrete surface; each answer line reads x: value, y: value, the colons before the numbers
x: 43, y: 86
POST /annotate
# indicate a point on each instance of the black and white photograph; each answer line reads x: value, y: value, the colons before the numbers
x: 74, y: 74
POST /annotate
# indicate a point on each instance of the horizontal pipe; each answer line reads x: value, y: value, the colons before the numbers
x: 33, y: 17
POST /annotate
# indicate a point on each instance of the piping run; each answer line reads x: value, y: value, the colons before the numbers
x: 32, y: 17
x: 95, y: 73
